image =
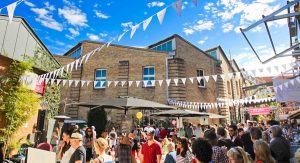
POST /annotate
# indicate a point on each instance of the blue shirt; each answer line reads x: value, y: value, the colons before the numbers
x: 171, y: 157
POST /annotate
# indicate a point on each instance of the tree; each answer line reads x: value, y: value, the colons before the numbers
x: 17, y: 103
x: 97, y: 117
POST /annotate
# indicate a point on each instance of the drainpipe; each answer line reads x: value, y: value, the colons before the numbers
x: 232, y: 93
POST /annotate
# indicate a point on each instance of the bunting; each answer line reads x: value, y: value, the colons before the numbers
x: 161, y: 15
x: 178, y: 7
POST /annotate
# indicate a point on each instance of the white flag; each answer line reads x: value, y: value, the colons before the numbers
x: 123, y: 83
x: 146, y: 23
x: 238, y: 75
x: 284, y: 66
x: 76, y: 82
x: 133, y: 29
x: 199, y: 79
x: 183, y: 80
x: 108, y: 44
x: 52, y: 81
x: 70, y: 82
x: 64, y: 82
x: 269, y: 69
x: 121, y: 35
x: 50, y: 76
x: 47, y: 80
x: 230, y: 75
x: 62, y: 71
x: 223, y: 76
x: 168, y: 82
x: 68, y: 65
x: 83, y: 57
x: 153, y: 82
x: 10, y: 10
x: 116, y: 83
x: 286, y: 84
x: 88, y: 83
x: 161, y: 15
x: 298, y: 79
x: 160, y: 82
x: 253, y: 72
x: 95, y: 83
x: 280, y: 86
x: 58, y: 81
x: 215, y: 77
x: 292, y: 81
x: 72, y: 65
x: 206, y: 78
x: 175, y: 81
x: 108, y: 83
x: 137, y: 83
x: 76, y: 63
x: 130, y: 83
x: 145, y: 83
x: 178, y: 6
x: 192, y: 80
x: 88, y: 55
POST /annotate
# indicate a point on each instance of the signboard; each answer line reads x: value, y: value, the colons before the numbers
x: 38, y: 156
x: 30, y: 80
x: 259, y: 111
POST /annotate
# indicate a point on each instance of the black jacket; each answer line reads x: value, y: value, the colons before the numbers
x: 280, y: 149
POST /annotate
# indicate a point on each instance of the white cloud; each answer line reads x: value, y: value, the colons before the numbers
x: 227, y: 27
x: 208, y: 6
x: 188, y: 31
x: 93, y: 37
x: 155, y: 4
x: 126, y: 25
x: 74, y: 33
x: 29, y: 4
x: 74, y: 16
x: 203, y: 25
x: 103, y: 34
x: 49, y: 7
x: 203, y: 40
x: 60, y: 43
x: 99, y: 14
x: 237, y: 29
x: 185, y: 3
x: 265, y: 1
x: 45, y: 17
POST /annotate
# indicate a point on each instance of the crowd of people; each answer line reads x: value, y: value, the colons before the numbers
x: 241, y: 143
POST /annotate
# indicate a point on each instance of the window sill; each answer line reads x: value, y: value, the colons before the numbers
x: 202, y: 87
x: 100, y: 88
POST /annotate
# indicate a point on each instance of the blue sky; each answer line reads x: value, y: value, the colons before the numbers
x: 62, y: 24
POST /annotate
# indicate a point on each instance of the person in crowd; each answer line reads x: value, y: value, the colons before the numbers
x: 156, y: 133
x: 83, y: 130
x: 280, y: 147
x: 293, y: 130
x: 297, y: 156
x: 198, y: 131
x: 241, y: 125
x: 241, y: 132
x: 76, y: 129
x: 88, y: 143
x: 165, y: 144
x: 238, y: 155
x: 147, y: 127
x: 254, y: 133
x: 163, y: 133
x: 219, y: 154
x: 44, y: 146
x: 65, y: 144
x: 234, y: 137
x: 202, y: 151
x: 101, y: 146
x: 135, y: 148
x: 181, y: 132
x: 184, y: 154
x: 223, y: 140
x: 171, y: 156
x: 79, y: 155
x: 94, y: 132
x: 112, y: 138
x: 189, y: 131
x: 55, y: 137
x: 266, y: 133
x: 151, y: 149
x: 123, y: 150
x: 262, y: 152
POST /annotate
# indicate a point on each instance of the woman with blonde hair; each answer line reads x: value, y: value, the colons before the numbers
x: 100, y: 146
x: 165, y: 144
x: 262, y: 152
x: 238, y: 155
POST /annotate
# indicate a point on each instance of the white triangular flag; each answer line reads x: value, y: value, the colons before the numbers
x: 153, y: 82
x: 58, y: 81
x: 192, y: 80
x: 286, y: 84
x: 137, y: 83
x: 130, y: 83
x: 161, y: 15
x: 76, y: 82
x: 88, y: 55
x: 96, y: 82
x: 133, y: 29
x: 10, y: 10
x: 72, y: 65
x: 276, y: 68
x: 168, y: 82
x: 68, y: 65
x: 88, y: 83
x: 222, y: 76
x: 145, y: 83
x: 108, y: 83
x: 199, y: 79
x: 116, y: 83
x: 64, y: 82
x: 215, y: 77
x: 102, y: 84
x: 50, y: 76
x: 160, y: 82
x: 283, y: 66
x: 178, y: 6
x: 146, y: 23
x: 52, y: 81
x: 269, y: 69
x: 238, y: 75
x: 175, y: 81
x: 62, y: 71
x: 298, y: 79
x: 280, y: 86
x: 83, y: 57
x: 253, y: 72
x: 76, y: 63
x: 82, y: 83
x: 47, y: 80
x: 123, y: 83
x: 292, y: 81
x: 108, y: 44
x: 206, y: 78
x: 183, y: 80
x: 230, y: 75
x: 70, y: 82
x: 121, y: 35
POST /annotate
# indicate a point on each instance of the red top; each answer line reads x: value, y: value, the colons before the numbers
x: 163, y: 133
x: 150, y: 152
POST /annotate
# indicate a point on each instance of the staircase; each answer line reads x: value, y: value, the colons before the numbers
x: 176, y: 69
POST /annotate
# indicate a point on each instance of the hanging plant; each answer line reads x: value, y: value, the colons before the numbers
x: 52, y: 99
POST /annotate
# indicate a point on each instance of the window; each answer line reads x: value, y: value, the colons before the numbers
x: 148, y: 75
x: 76, y: 53
x: 100, y: 75
x: 228, y: 88
x: 213, y: 54
x: 200, y: 73
x: 167, y: 47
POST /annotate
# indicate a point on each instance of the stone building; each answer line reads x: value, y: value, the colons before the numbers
x: 173, y: 57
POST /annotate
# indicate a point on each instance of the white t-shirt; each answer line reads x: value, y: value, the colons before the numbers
x: 105, y: 157
x: 67, y: 155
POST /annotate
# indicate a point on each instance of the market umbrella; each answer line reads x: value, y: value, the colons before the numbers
x: 215, y: 116
x: 179, y: 113
x: 127, y: 103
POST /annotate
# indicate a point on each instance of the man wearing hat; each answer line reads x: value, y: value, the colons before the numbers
x: 151, y: 149
x: 79, y: 155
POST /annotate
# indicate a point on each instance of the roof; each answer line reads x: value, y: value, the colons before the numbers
x: 233, y: 62
x: 35, y: 35
x: 223, y: 53
x: 295, y: 115
x: 97, y: 42
x: 269, y: 79
x: 181, y: 38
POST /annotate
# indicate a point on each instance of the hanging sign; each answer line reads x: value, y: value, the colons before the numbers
x: 259, y: 111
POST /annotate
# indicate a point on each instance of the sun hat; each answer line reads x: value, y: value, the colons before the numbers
x: 150, y: 130
x: 76, y: 136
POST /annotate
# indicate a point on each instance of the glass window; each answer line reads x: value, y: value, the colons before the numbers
x: 76, y: 53
x: 100, y: 75
x: 213, y: 54
x: 200, y: 73
x: 149, y: 75
x: 169, y: 46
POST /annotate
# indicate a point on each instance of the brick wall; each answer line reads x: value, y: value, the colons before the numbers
x: 4, y: 64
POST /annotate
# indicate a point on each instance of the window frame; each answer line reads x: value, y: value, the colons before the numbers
x: 148, y: 76
x: 202, y: 79
x: 100, y: 78
x: 77, y: 49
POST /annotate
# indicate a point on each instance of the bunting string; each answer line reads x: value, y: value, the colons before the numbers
x: 11, y: 9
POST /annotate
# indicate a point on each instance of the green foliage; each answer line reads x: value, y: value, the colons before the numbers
x: 52, y: 97
x: 44, y: 61
x: 97, y: 117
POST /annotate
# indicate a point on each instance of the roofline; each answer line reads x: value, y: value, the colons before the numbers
x: 223, y: 53
x: 36, y: 36
x: 234, y: 62
x: 122, y: 46
x: 178, y: 36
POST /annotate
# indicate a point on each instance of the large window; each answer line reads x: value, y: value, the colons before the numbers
x: 100, y: 75
x: 149, y: 76
x: 213, y: 54
x: 76, y: 53
x: 167, y: 46
x: 200, y: 73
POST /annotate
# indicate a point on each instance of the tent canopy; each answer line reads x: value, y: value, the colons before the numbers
x: 179, y: 113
